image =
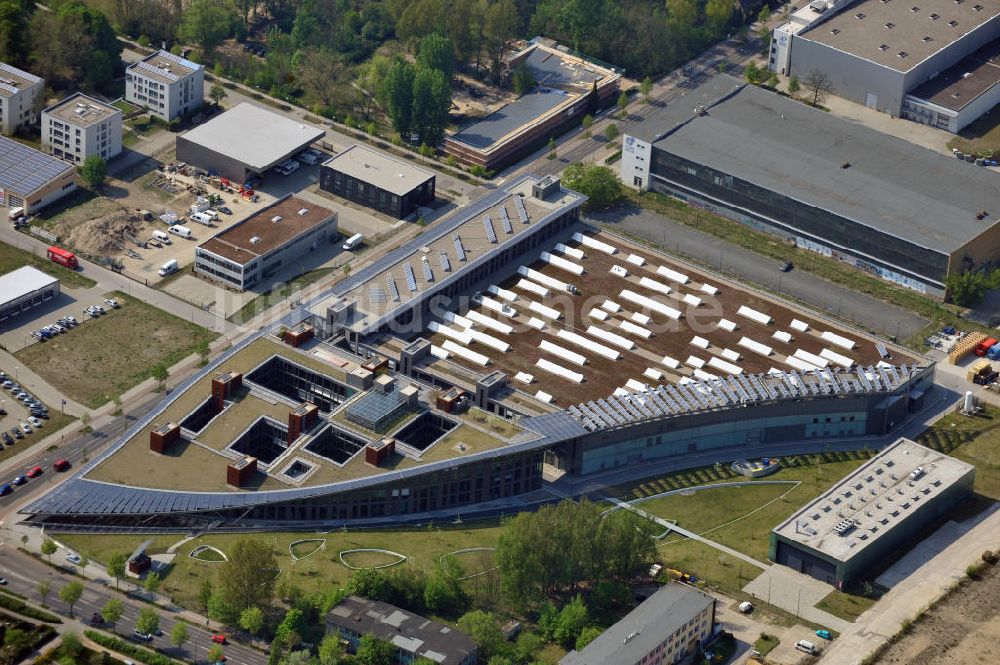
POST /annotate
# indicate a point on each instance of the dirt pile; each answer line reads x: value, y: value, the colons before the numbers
x: 110, y: 234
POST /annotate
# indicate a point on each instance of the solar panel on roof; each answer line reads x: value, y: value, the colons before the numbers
x: 459, y: 249
x: 521, y: 212
x: 505, y: 220
x: 445, y: 262
x: 23, y: 170
x: 411, y: 279
x: 491, y: 234
x: 156, y: 71
x: 882, y: 351
x: 426, y: 266
x: 390, y: 281
x: 376, y: 294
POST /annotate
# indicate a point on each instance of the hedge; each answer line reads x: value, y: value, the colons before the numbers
x: 128, y: 649
x: 22, y: 608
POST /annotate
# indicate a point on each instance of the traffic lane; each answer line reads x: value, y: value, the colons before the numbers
x: 730, y: 259
x: 25, y: 574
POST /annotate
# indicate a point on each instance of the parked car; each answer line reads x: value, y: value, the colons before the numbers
x: 72, y: 320
x: 26, y: 427
x: 139, y: 635
x: 74, y: 558
x: 96, y: 619
x: 8, y: 384
x: 7, y: 439
x: 3, y: 581
x: 824, y: 633
x: 16, y: 431
x: 786, y: 266
x: 5, y: 489
x: 35, y: 422
x: 57, y: 327
x: 225, y: 210
x: 112, y: 303
x: 39, y: 413
x: 34, y: 472
x: 20, y: 480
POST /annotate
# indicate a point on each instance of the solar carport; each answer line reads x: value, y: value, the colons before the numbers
x: 32, y: 179
x: 244, y: 141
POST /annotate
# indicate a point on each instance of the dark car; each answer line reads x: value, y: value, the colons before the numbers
x: 18, y: 434
x: 7, y: 438
x: 61, y: 465
x: 96, y: 619
x: 5, y: 489
x: 20, y: 480
x: 786, y: 266
x: 225, y: 210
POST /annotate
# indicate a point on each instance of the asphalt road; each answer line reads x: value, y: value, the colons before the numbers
x: 24, y: 573
x: 749, y: 266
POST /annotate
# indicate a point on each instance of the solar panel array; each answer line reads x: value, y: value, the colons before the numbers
x: 428, y: 273
x: 411, y: 279
x: 156, y: 71
x: 505, y: 220
x: 390, y: 281
x: 491, y: 234
x: 882, y: 351
x: 459, y: 248
x: 669, y: 400
x: 445, y: 262
x: 23, y: 170
x: 521, y: 212
x: 376, y: 294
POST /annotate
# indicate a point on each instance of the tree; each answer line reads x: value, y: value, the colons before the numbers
x: 587, y: 123
x: 396, y: 95
x: 70, y: 594
x: 623, y: 103
x: 219, y: 609
x: 499, y: 27
x: 523, y: 80
x: 207, y: 23
x: 373, y: 651
x: 572, y: 619
x: 44, y: 588
x: 217, y: 93
x: 968, y: 288
x: 599, y: 183
x: 71, y: 647
x: 148, y: 621
x: 818, y: 86
x: 215, y: 653
x: 611, y: 132
x: 252, y: 620
x: 48, y: 548
x: 646, y: 88
x: 247, y: 578
x: 117, y: 564
x: 431, y: 102
x: 159, y: 372
x: 718, y: 14
x: 74, y: 45
x: 112, y: 612
x: 204, y: 595
x: 500, y: 660
x: 437, y: 52
x: 551, y: 145
x: 370, y: 583
x: 300, y: 657
x: 587, y: 635
x: 793, y: 85
x: 152, y: 583
x: 14, y: 33
x: 752, y: 73
x: 291, y: 628
x: 179, y: 635
x: 331, y: 651
x: 16, y: 640
x: 483, y: 629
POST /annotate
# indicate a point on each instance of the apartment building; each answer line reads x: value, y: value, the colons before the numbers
x: 19, y: 95
x: 80, y: 126
x: 168, y: 85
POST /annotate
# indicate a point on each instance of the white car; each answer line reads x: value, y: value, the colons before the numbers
x: 26, y: 428
x: 308, y: 158
x: 35, y: 421
x: 73, y: 558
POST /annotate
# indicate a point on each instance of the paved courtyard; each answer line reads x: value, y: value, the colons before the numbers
x: 795, y: 593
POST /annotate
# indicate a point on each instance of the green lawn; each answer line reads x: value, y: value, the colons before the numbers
x: 765, y: 643
x: 847, y: 606
x: 981, y: 137
x: 718, y: 570
x: 835, y: 271
x: 102, y: 358
x: 269, y: 299
x: 321, y: 571
x: 12, y: 258
x: 975, y: 440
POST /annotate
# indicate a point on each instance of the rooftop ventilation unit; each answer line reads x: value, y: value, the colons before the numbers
x: 276, y: 219
x: 303, y: 211
x: 843, y: 527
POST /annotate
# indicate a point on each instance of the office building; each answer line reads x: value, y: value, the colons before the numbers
x: 168, y: 85
x: 377, y: 180
x: 20, y: 96
x: 79, y: 127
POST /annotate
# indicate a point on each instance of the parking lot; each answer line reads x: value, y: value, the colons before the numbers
x: 16, y: 333
x: 21, y: 419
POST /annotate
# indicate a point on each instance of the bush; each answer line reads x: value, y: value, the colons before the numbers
x: 19, y: 606
x: 128, y: 649
x: 974, y: 572
x: 990, y: 557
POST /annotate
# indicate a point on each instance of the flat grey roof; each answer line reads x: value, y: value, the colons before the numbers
x: 253, y: 135
x: 964, y: 82
x: 506, y: 119
x: 21, y: 282
x: 552, y: 67
x: 875, y: 179
x: 644, y: 628
x: 379, y: 169
x: 14, y: 80
x: 876, y: 498
x: 164, y: 67
x: 24, y: 170
x: 81, y: 110
x: 917, y: 29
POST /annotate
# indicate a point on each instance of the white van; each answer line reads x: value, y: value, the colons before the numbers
x: 161, y: 236
x: 168, y: 268
x: 202, y: 218
x: 353, y: 242
x: 15, y: 213
x: 807, y: 646
x: 179, y: 230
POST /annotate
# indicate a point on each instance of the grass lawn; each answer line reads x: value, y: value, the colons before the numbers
x: 975, y: 440
x: 980, y: 137
x: 321, y: 571
x: 102, y: 358
x: 719, y: 571
x: 269, y: 299
x: 830, y: 269
x: 847, y: 606
x: 765, y: 643
x: 12, y: 258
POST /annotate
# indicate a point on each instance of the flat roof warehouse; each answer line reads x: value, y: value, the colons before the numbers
x: 379, y: 169
x: 876, y: 180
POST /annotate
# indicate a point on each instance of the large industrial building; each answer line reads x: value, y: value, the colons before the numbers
x: 900, y: 211
x: 30, y: 179
x: 445, y: 376
x: 168, y: 85
x: 274, y: 237
x: 20, y: 93
x: 377, y: 180
x: 24, y: 289
x: 860, y: 523
x: 244, y: 141
x: 879, y: 52
x: 668, y: 627
x: 568, y: 86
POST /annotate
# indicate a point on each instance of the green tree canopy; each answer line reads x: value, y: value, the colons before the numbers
x: 572, y: 619
x: 370, y: 583
x: 373, y: 651
x: 94, y: 170
x: 117, y: 563
x: 70, y: 594
x: 431, y: 102
x: 599, y: 183
x: 148, y: 621
x: 587, y: 635
x: 247, y: 578
x: 484, y: 629
x: 207, y: 23
x: 252, y: 620
x: 396, y: 95
x: 437, y: 52
x: 112, y: 611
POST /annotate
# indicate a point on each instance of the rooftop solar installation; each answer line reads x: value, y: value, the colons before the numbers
x: 24, y: 170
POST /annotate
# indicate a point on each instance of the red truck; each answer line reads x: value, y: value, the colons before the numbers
x: 984, y: 346
x: 63, y: 257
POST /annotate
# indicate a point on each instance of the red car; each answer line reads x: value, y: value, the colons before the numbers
x: 34, y: 472
x: 61, y: 465
x: 219, y: 638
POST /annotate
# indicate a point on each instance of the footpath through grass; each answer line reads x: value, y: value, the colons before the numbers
x: 939, y: 314
x: 103, y: 357
x: 12, y: 258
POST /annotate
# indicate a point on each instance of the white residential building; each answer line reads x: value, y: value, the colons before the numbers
x: 19, y: 95
x: 167, y: 84
x: 80, y: 126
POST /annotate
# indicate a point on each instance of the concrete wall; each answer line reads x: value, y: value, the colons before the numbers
x: 852, y: 77
x: 209, y: 160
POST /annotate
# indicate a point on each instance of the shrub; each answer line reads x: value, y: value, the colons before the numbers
x: 990, y: 557
x: 19, y: 606
x: 974, y: 571
x: 128, y: 649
